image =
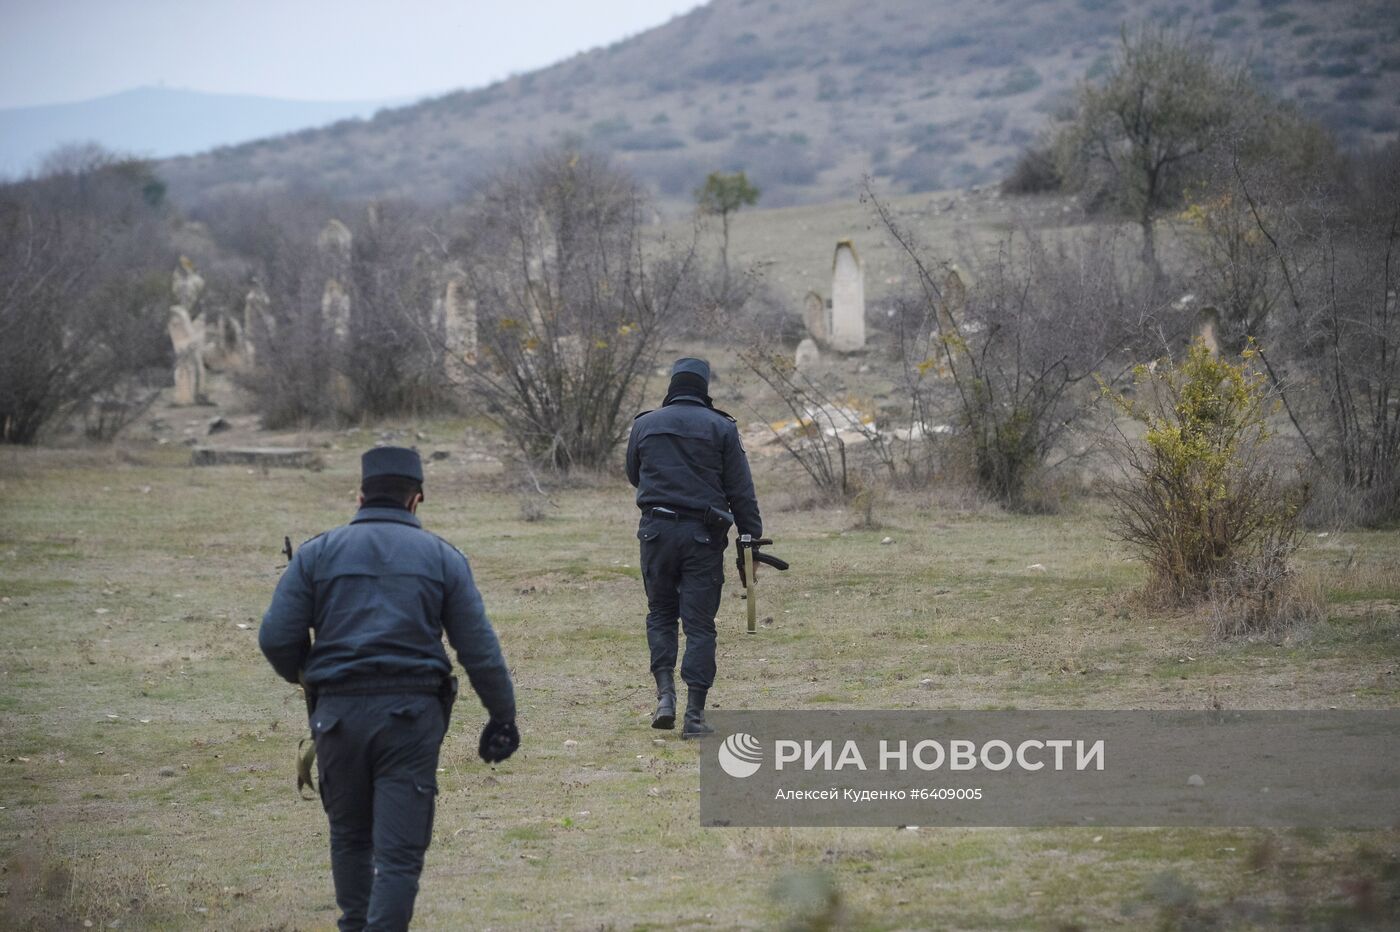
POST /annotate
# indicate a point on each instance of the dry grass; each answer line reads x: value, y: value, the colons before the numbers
x: 145, y: 748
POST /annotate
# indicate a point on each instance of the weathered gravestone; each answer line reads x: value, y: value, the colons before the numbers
x: 259, y: 326
x: 457, y: 318
x: 1206, y: 326
x: 186, y: 284
x: 807, y: 354
x: 847, y: 300
x: 336, y: 243
x: 226, y: 348
x: 816, y: 316
x: 187, y: 339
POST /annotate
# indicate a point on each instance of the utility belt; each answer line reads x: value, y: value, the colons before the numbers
x: 381, y: 686
x: 716, y: 519
x: 442, y: 686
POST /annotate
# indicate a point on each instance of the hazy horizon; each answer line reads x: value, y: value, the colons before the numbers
x: 317, y: 51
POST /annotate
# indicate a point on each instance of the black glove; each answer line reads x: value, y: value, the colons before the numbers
x: 499, y: 740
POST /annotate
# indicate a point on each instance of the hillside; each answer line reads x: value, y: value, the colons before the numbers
x: 809, y: 95
x: 160, y: 122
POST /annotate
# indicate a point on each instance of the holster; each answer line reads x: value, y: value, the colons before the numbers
x: 719, y: 521
x: 447, y: 695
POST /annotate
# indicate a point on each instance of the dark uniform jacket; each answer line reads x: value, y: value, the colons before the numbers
x: 379, y: 593
x: 687, y: 455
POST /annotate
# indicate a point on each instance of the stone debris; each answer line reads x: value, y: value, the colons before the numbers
x: 284, y: 457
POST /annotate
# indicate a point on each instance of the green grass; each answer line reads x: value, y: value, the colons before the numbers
x: 146, y: 769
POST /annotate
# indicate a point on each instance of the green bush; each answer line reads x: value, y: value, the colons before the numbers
x: 1200, y: 500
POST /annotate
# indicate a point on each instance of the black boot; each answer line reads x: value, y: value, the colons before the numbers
x: 695, y: 726
x: 665, y: 714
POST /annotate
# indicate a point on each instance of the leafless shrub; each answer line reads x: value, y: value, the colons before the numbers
x: 393, y: 362
x: 388, y: 360
x: 826, y: 434
x: 570, y: 313
x: 1334, y: 348
x: 1005, y: 364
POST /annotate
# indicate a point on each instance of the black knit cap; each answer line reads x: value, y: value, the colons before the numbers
x: 391, y: 461
x: 690, y: 376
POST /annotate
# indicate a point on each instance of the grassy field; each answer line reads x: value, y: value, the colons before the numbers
x: 146, y: 776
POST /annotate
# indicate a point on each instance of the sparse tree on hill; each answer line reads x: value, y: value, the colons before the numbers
x: 722, y: 196
x: 1135, y: 137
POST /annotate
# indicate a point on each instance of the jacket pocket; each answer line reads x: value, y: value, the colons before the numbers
x: 323, y: 723
x: 647, y: 533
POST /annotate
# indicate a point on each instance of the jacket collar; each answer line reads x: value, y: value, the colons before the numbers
x: 397, y: 515
x: 692, y: 399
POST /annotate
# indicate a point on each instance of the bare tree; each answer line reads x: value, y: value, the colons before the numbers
x: 570, y: 312
x: 82, y: 310
x: 392, y: 362
x: 1011, y: 360
x: 1336, y: 354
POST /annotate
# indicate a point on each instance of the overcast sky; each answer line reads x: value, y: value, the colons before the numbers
x: 54, y: 51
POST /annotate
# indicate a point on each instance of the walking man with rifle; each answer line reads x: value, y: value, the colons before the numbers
x: 693, y: 483
x: 358, y: 619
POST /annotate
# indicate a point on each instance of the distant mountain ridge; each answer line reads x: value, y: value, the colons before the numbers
x: 160, y: 122
x: 808, y: 96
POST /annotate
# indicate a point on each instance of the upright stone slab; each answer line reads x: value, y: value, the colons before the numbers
x: 187, y: 285
x: 847, y: 300
x: 807, y: 354
x: 226, y: 346
x: 816, y: 316
x: 336, y: 244
x: 458, y: 325
x: 258, y: 322
x: 187, y: 339
x: 949, y: 309
x: 1207, y: 322
x: 335, y: 309
x: 954, y: 299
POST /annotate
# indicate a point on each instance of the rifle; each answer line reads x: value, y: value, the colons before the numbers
x: 306, y: 747
x: 747, y: 559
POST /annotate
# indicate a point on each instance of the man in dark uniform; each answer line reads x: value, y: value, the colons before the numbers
x: 379, y: 593
x: 693, y: 482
